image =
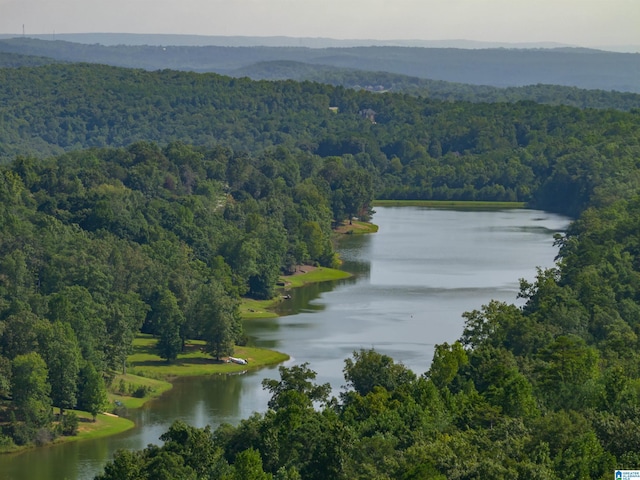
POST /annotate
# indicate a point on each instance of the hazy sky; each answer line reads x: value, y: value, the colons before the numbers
x: 576, y: 22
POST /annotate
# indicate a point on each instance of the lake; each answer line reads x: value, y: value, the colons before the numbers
x: 412, y: 281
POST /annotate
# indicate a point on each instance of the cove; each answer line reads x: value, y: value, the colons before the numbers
x: 411, y: 282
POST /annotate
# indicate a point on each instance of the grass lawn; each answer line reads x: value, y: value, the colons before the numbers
x: 145, y: 362
x: 104, y: 426
x: 356, y: 227
x: 252, y: 309
x: 314, y: 275
x: 446, y: 204
x: 155, y: 386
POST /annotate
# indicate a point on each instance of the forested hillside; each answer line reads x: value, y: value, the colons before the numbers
x: 414, y: 148
x: 171, y: 194
x: 499, y: 67
x: 99, y: 245
x: 382, y: 82
x: 16, y: 60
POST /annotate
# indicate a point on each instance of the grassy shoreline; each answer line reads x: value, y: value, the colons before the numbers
x: 251, y: 309
x: 356, y: 227
x: 151, y: 376
x: 145, y: 362
x: 447, y: 204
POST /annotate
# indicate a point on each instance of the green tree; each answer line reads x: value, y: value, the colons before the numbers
x: 92, y: 395
x: 447, y: 361
x: 62, y: 356
x: 296, y: 381
x: 168, y: 320
x: 126, y: 465
x: 368, y: 369
x: 30, y: 389
x: 126, y: 313
x: 20, y: 334
x: 248, y: 466
x: 217, y: 320
x: 196, y: 447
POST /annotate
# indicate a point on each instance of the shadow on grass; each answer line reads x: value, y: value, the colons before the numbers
x: 147, y: 349
x: 180, y: 362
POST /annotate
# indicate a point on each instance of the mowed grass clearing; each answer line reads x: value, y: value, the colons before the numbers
x: 251, y: 309
x: 194, y: 361
x: 356, y: 227
x: 314, y: 275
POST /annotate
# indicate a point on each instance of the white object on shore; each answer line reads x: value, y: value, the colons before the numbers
x: 239, y: 361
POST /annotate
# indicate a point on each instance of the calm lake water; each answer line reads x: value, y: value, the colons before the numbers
x: 412, y: 281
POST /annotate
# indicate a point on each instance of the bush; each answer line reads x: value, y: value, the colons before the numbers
x: 141, y: 391
x: 6, y: 442
x: 122, y: 387
x: 21, y: 433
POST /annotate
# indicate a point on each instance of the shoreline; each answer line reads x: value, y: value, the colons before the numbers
x: 251, y: 309
x: 154, y: 376
x: 148, y: 373
x: 448, y: 204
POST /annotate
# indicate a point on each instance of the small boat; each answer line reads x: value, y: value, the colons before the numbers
x: 239, y: 361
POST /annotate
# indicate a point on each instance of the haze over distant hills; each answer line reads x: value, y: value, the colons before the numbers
x: 112, y: 39
x: 498, y: 67
x: 159, y: 39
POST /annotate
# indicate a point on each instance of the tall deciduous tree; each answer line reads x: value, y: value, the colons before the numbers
x: 218, y: 322
x: 92, y: 396
x: 31, y: 390
x: 124, y: 319
x: 369, y: 369
x: 62, y: 355
x: 296, y: 383
x: 168, y: 321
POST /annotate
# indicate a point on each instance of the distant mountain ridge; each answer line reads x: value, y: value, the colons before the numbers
x: 158, y: 39
x: 577, y: 67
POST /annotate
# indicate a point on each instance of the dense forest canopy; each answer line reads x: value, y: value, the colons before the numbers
x: 151, y: 201
x: 413, y: 148
x: 380, y: 82
x: 99, y: 245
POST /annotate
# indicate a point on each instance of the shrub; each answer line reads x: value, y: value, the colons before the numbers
x: 141, y: 391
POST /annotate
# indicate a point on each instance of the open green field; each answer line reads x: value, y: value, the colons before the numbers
x: 356, y: 227
x: 251, y: 309
x: 446, y: 204
x: 104, y: 426
x: 153, y: 387
x: 314, y: 275
x: 145, y: 362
